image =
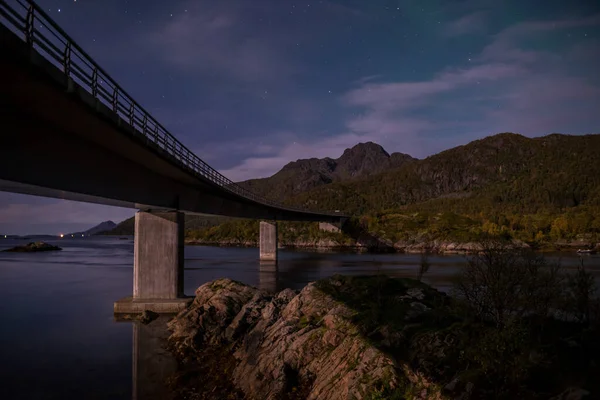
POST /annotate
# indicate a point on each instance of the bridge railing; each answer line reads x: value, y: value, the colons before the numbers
x: 31, y: 23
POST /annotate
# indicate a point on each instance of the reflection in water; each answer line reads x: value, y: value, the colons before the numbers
x: 268, y: 276
x: 152, y: 362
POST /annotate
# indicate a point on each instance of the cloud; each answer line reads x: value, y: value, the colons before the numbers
x: 243, y: 40
x: 291, y: 150
x: 510, y: 90
x: 507, y: 87
x: 216, y: 39
x: 506, y: 47
x: 471, y: 23
x: 388, y: 97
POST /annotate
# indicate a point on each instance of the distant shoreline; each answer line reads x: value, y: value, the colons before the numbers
x: 416, y: 248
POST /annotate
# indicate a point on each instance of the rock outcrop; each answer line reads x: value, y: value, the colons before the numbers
x: 370, y: 338
x: 33, y: 247
x: 373, y: 244
x: 446, y: 247
x: 319, y: 343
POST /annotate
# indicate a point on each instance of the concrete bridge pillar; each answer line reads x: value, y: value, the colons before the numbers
x: 157, y: 264
x: 268, y: 241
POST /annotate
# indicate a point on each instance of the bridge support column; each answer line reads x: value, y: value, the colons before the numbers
x: 268, y: 241
x: 157, y: 264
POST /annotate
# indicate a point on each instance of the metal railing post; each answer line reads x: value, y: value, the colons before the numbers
x: 95, y: 82
x: 29, y: 25
x: 145, y: 125
x: 67, y: 59
x: 131, y: 112
x: 115, y: 100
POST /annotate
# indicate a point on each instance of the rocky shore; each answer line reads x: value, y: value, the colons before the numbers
x: 346, y: 338
x: 33, y: 247
x: 405, y: 246
x: 304, y: 345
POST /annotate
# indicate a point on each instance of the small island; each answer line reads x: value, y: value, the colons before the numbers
x: 33, y: 247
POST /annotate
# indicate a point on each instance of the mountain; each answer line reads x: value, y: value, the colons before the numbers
x: 362, y: 160
x: 554, y: 171
x: 98, y: 229
x: 534, y: 189
x: 101, y: 227
x: 127, y: 226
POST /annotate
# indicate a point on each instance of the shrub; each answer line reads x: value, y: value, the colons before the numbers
x: 502, y: 283
x: 578, y: 295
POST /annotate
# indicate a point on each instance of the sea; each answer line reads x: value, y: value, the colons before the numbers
x: 59, y: 338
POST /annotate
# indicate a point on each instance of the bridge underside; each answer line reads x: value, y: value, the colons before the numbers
x: 57, y: 140
x: 61, y: 141
x: 39, y: 157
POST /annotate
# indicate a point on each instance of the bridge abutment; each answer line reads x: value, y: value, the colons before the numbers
x: 329, y: 227
x: 157, y: 264
x: 268, y: 241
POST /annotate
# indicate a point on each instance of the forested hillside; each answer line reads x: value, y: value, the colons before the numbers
x: 541, y: 190
x: 361, y: 161
x: 552, y: 172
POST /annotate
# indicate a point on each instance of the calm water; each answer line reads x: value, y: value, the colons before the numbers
x: 58, y: 338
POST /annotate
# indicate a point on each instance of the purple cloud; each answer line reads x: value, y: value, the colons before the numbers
x: 212, y: 38
x: 505, y: 44
x: 504, y: 88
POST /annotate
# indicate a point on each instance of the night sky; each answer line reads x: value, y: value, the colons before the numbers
x: 250, y: 85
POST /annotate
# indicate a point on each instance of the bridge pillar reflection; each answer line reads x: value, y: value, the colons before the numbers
x: 152, y: 363
x: 268, y: 276
x: 157, y: 264
x: 268, y: 241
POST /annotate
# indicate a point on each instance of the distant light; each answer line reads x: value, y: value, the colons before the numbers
x: 4, y: 236
x: 82, y: 235
x: 72, y: 235
x: 61, y: 235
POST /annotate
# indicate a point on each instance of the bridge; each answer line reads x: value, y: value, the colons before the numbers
x: 69, y: 131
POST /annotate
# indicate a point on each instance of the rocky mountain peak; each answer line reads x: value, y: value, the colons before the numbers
x: 362, y: 159
x: 364, y: 149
